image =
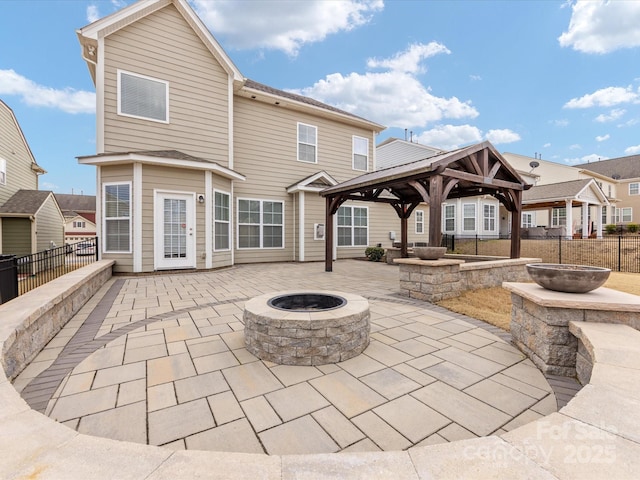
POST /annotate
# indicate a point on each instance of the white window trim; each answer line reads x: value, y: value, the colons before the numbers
x: 238, y: 224
x: 555, y: 218
x: 637, y: 188
x: 228, y: 222
x: 166, y: 93
x: 315, y: 160
x: 475, y: 217
x: 494, y: 217
x: 619, y: 214
x: 352, y: 226
x: 353, y: 153
x: 105, y: 218
x: 419, y: 213
x: 3, y: 171
x: 532, y: 222
x: 445, y: 218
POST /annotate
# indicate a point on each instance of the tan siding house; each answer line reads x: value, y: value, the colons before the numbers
x: 30, y: 219
x: 200, y: 167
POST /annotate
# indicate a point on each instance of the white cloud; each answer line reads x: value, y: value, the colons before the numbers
x: 586, y: 159
x: 575, y: 146
x: 475, y: 78
x: 602, y: 138
x: 450, y: 137
x: 614, y: 114
x: 602, y: 26
x: 563, y: 122
x: 502, y: 136
x: 409, y: 61
x: 394, y: 98
x: 68, y: 100
x: 605, y: 97
x: 49, y: 186
x: 632, y: 150
x: 546, y: 145
x: 93, y: 13
x: 629, y: 123
x: 282, y: 25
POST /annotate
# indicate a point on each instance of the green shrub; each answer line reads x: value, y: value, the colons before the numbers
x: 374, y: 254
x: 610, y: 229
x: 632, y: 227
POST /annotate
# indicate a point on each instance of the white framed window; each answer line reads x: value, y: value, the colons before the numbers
x: 260, y: 224
x: 221, y: 220
x: 116, y: 200
x: 419, y: 222
x: 143, y: 97
x: 634, y: 188
x: 3, y: 171
x: 361, y: 154
x: 528, y: 220
x: 489, y: 217
x: 559, y: 217
x: 604, y: 215
x: 353, y: 226
x: 307, y: 143
x: 449, y: 218
x: 624, y: 214
x: 468, y: 217
x: 79, y: 224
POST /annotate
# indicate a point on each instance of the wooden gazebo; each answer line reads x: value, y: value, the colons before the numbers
x: 475, y: 170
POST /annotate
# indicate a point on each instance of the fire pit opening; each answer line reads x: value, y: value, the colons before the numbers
x: 306, y: 302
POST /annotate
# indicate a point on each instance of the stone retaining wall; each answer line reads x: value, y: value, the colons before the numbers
x: 38, y: 315
x: 435, y: 280
x: 540, y: 322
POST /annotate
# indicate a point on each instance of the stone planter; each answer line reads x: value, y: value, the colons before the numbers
x: 429, y: 253
x: 568, y: 278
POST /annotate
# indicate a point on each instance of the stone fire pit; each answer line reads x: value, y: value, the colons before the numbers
x: 306, y: 328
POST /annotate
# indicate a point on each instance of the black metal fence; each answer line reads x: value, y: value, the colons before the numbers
x: 31, y: 271
x: 618, y: 252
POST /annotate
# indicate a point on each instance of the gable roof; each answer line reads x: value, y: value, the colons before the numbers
x: 76, y: 203
x: 313, y: 183
x: 26, y: 203
x: 394, y: 151
x: 616, y: 168
x: 89, y: 35
x: 170, y: 158
x: 34, y: 165
x: 563, y: 191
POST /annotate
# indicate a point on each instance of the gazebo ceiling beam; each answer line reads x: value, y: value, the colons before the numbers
x: 420, y: 188
x: 479, y: 180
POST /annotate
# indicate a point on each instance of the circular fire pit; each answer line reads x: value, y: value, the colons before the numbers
x: 568, y: 278
x: 306, y: 328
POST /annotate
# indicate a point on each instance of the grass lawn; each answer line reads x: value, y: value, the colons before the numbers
x: 493, y: 305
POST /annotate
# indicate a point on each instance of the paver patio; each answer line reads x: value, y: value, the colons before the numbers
x: 161, y: 360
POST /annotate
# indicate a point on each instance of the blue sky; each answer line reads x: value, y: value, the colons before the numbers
x: 557, y: 79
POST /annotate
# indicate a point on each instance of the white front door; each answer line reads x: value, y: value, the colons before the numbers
x: 175, y: 239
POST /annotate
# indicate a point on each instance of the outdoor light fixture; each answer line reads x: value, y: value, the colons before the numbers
x: 200, y: 198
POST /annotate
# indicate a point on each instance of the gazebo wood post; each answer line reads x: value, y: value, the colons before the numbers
x: 404, y: 251
x: 435, y: 210
x: 328, y: 237
x: 515, y: 223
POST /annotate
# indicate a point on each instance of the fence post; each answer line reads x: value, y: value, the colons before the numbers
x: 96, y: 249
x: 560, y: 249
x: 476, y: 244
x: 619, y: 251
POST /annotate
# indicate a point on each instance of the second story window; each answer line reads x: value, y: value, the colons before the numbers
x: 3, y: 171
x: 361, y: 154
x: 634, y: 188
x: 307, y: 143
x: 143, y: 97
x: 78, y: 224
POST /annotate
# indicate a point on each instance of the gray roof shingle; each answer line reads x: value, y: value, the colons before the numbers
x: 25, y: 202
x: 619, y: 168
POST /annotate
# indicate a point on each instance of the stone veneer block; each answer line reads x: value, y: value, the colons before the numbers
x: 308, y: 337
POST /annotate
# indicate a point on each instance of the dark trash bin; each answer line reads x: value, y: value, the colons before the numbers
x: 8, y: 278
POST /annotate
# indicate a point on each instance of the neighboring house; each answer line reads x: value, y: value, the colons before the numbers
x: 79, y: 215
x: 200, y: 167
x: 625, y: 173
x: 30, y: 219
x: 394, y: 151
x: 569, y: 200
